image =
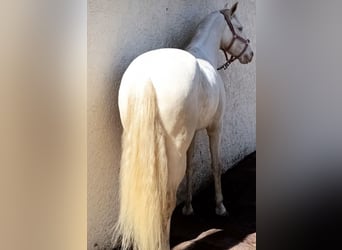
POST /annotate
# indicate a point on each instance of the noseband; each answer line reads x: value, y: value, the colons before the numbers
x: 235, y: 37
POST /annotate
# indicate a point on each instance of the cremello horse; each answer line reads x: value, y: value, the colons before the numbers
x: 165, y: 96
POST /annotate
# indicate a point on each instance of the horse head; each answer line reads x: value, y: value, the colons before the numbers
x: 234, y: 40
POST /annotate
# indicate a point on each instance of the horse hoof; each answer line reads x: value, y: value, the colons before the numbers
x: 221, y: 210
x: 187, y: 210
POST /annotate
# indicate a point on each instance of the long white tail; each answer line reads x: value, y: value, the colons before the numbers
x: 143, y: 177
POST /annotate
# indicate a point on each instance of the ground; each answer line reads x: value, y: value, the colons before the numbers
x: 206, y: 231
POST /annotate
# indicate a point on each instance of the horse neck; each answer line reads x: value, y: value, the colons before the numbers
x: 206, y: 41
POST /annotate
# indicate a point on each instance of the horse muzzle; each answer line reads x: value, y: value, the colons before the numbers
x: 246, y: 57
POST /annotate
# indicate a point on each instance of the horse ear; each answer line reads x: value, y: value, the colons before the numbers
x: 226, y: 5
x: 233, y: 9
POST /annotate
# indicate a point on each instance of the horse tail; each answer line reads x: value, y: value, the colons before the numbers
x: 143, y: 176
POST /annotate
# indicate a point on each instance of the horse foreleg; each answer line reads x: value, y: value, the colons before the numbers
x: 187, y: 209
x: 214, y: 139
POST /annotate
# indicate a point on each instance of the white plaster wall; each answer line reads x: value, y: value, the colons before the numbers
x: 120, y: 30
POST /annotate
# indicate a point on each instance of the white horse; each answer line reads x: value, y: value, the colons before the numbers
x: 165, y: 96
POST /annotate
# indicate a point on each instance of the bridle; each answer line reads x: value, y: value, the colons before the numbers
x: 235, y: 37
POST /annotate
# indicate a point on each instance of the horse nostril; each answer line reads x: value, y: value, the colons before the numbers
x: 252, y: 54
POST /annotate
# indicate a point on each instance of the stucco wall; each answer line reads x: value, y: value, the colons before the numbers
x: 120, y: 30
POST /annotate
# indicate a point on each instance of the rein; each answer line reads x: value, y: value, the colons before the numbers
x: 235, y: 37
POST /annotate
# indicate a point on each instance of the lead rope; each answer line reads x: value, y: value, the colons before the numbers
x: 228, y: 61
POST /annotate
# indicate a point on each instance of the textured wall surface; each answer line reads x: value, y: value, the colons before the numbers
x: 119, y: 31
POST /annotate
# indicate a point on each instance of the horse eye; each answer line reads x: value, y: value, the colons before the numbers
x: 240, y: 28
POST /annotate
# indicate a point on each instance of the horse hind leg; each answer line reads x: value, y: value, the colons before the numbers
x: 187, y: 209
x: 214, y: 140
